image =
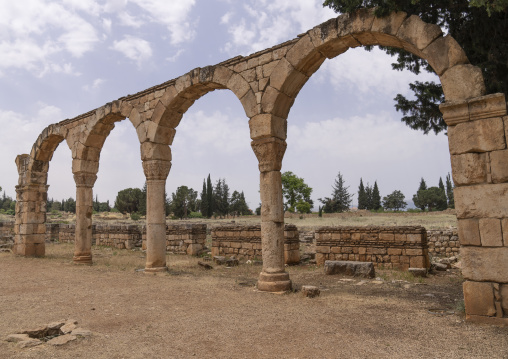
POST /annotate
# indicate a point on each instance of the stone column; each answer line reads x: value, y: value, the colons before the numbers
x: 269, y: 152
x: 31, y: 197
x: 84, y: 208
x: 477, y: 133
x: 156, y: 172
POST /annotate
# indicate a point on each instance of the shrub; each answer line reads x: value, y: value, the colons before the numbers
x: 195, y: 215
x: 135, y: 216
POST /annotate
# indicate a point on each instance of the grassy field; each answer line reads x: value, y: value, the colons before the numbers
x: 432, y: 220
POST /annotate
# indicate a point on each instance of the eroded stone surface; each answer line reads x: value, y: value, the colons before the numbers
x: 356, y: 269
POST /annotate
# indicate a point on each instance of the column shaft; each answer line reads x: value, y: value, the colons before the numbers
x: 155, y: 226
x: 84, y: 206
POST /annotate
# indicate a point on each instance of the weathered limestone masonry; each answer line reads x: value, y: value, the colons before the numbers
x: 266, y: 84
x: 477, y: 133
x: 183, y: 238
x: 244, y: 242
x: 117, y: 236
x: 443, y: 243
x: 389, y: 247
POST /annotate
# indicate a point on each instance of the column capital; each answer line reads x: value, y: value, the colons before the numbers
x: 84, y: 179
x: 269, y: 152
x: 156, y: 169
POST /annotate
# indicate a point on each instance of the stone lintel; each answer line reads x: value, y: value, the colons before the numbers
x: 475, y: 109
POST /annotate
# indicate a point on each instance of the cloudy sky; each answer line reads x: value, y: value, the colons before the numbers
x: 59, y: 59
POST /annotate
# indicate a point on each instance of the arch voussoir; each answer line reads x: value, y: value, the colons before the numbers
x: 444, y: 53
x: 416, y: 35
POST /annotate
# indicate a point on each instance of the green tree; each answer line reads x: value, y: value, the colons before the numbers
x: 394, y: 201
x: 294, y: 190
x: 376, y: 197
x: 70, y: 205
x: 417, y: 200
x: 340, y: 201
x: 128, y: 200
x: 362, y: 196
x: 303, y: 207
x: 142, y: 201
x: 209, y: 197
x: 238, y: 206
x: 204, y: 200
x: 221, y: 198
x: 449, y: 192
x: 479, y: 26
x: 368, y: 197
x: 183, y: 201
x: 433, y: 198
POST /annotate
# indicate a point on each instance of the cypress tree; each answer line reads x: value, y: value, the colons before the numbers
x: 362, y: 196
x: 449, y: 192
x: 376, y: 197
x: 204, y: 200
x: 418, y: 198
x: 368, y: 197
x: 209, y: 197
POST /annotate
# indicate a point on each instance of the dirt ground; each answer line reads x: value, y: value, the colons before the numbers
x: 191, y: 312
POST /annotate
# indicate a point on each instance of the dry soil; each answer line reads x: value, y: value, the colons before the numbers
x: 190, y: 312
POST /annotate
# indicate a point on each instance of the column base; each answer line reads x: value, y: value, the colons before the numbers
x: 503, y: 322
x: 156, y: 270
x: 274, y: 282
x: 82, y: 259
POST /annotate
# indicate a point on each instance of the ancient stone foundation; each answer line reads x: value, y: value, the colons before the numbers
x: 244, y: 242
x: 443, y: 243
x: 389, y: 247
x: 180, y: 239
x: 183, y: 238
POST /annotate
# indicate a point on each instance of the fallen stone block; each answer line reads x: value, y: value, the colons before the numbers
x: 232, y: 262
x: 80, y: 332
x: 61, y: 340
x: 29, y: 343
x: 310, y: 291
x: 355, y: 269
x: 220, y: 260
x: 14, y: 338
x: 205, y: 265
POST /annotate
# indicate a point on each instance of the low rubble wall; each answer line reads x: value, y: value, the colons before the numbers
x: 443, y: 243
x: 389, y: 247
x: 244, y: 242
x: 183, y: 238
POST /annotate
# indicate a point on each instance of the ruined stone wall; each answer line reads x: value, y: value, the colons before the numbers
x: 389, y: 247
x: 6, y: 229
x: 180, y: 239
x: 66, y: 233
x: 117, y: 236
x: 244, y: 242
x: 6, y: 235
x: 183, y: 238
x: 443, y: 243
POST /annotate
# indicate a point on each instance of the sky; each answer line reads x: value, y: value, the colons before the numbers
x: 60, y: 59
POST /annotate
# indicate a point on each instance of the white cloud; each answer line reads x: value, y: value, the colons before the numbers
x: 173, y: 14
x: 272, y: 22
x: 226, y: 17
x: 175, y: 56
x: 134, y: 48
x: 23, y: 130
x: 375, y: 146
x: 212, y: 132
x: 369, y: 72
x: 32, y: 32
x: 131, y: 21
x: 96, y: 84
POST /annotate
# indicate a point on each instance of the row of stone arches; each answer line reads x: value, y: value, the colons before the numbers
x: 267, y: 83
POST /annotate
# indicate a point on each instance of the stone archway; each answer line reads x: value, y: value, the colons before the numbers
x: 267, y: 83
